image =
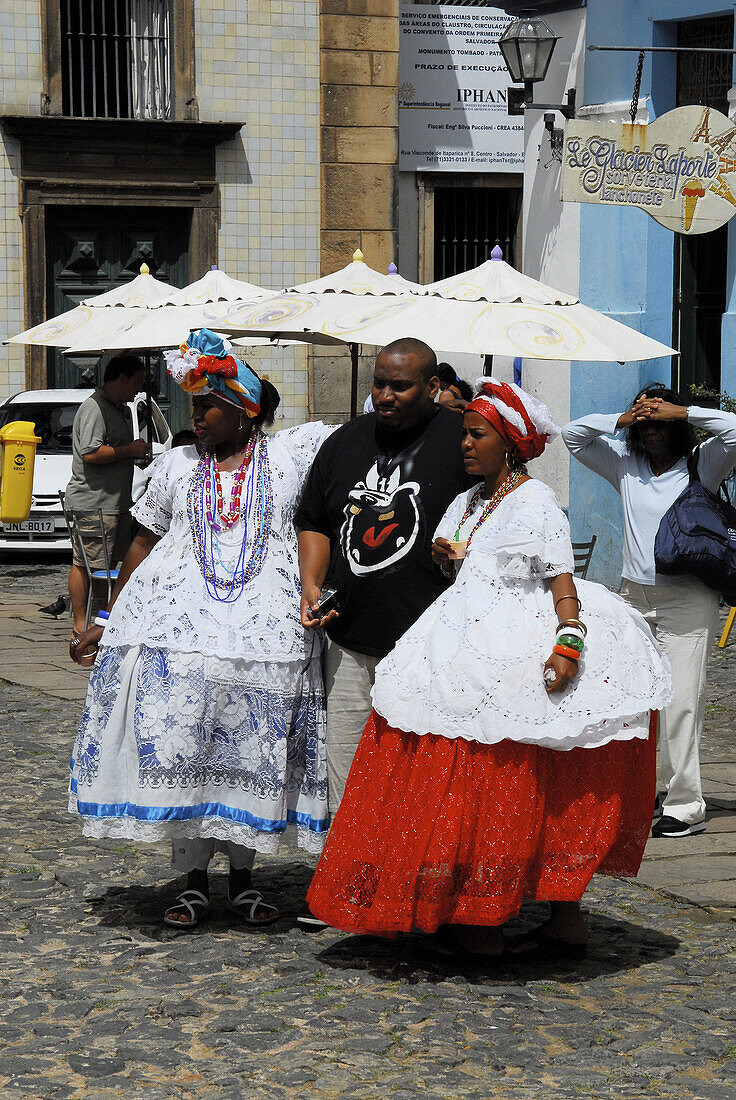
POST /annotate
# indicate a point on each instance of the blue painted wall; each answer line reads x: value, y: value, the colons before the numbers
x: 626, y: 258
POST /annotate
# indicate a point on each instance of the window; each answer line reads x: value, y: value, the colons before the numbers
x: 53, y: 424
x: 116, y: 58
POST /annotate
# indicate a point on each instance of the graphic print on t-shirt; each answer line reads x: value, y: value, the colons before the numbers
x: 382, y: 521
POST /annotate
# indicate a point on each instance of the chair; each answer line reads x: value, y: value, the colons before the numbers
x: 93, y: 575
x: 582, y: 552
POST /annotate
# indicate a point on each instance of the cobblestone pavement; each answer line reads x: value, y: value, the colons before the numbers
x: 100, y: 1000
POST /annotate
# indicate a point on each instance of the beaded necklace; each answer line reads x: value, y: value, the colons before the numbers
x: 227, y: 519
x: 502, y: 491
x: 258, y: 511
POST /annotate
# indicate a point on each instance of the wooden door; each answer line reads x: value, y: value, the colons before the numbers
x: 94, y: 249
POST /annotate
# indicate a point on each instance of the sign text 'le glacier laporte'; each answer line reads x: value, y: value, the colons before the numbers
x: 681, y: 169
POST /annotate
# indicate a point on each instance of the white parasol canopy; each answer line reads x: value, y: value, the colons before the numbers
x: 358, y: 278
x: 94, y: 317
x: 497, y: 281
x: 572, y: 332
x: 215, y: 286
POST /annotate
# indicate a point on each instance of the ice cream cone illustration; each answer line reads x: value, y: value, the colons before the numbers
x: 691, y: 192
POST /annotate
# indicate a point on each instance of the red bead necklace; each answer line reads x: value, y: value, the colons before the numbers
x: 229, y: 518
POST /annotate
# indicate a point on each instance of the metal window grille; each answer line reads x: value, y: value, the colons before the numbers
x: 705, y: 77
x: 469, y: 222
x: 100, y: 39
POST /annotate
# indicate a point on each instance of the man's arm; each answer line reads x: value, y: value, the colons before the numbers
x: 314, y: 561
x: 105, y: 454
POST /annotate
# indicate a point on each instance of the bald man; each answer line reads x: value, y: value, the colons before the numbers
x: 374, y: 497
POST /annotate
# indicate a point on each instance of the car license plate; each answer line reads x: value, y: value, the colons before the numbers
x: 31, y: 526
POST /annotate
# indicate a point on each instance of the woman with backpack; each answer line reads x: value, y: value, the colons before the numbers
x: 648, y: 467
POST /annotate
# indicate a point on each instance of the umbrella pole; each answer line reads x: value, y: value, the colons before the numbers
x: 149, y: 402
x: 354, y: 381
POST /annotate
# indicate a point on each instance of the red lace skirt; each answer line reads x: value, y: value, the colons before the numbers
x: 435, y: 831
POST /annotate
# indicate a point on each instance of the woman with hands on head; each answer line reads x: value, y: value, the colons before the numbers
x: 648, y: 468
x: 508, y: 754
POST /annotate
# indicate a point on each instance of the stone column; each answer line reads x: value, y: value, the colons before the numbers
x: 359, y: 65
x: 359, y: 52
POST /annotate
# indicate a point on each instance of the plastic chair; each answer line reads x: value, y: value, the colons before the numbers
x: 93, y: 575
x: 582, y: 552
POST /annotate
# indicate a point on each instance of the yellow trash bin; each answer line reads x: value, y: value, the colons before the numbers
x: 19, y: 441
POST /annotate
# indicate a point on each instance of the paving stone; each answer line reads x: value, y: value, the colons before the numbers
x: 86, y: 966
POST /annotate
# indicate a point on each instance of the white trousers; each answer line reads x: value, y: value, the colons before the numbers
x: 349, y: 677
x: 683, y: 618
x: 195, y: 854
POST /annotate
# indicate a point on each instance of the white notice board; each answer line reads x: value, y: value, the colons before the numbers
x: 452, y: 92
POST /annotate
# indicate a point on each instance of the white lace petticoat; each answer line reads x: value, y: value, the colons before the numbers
x: 181, y: 745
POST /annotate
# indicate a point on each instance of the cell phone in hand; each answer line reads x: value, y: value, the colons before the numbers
x: 327, y: 602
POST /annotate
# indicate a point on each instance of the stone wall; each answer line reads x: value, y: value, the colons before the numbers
x: 359, y: 148
x: 257, y: 62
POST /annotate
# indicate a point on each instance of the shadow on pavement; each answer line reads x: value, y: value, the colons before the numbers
x: 141, y: 908
x: 615, y: 945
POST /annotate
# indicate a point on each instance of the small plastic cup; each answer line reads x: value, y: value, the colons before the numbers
x: 457, y: 549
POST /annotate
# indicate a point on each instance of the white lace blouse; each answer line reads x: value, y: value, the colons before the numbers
x: 472, y: 666
x: 166, y: 603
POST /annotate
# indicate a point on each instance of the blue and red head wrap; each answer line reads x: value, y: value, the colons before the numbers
x: 204, y: 365
x: 521, y: 420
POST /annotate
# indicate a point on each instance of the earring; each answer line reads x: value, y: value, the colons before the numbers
x: 510, y: 465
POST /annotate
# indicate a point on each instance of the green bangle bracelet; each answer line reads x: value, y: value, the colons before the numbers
x: 572, y: 641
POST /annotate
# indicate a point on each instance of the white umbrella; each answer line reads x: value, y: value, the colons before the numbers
x: 357, y: 278
x: 89, y: 322
x: 573, y: 332
x: 215, y: 286
x: 293, y: 315
x: 497, y: 281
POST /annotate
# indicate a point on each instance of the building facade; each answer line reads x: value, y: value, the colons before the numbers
x: 676, y: 289
x: 258, y: 137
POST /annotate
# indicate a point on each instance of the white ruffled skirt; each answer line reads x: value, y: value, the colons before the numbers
x: 177, y: 745
x: 472, y: 667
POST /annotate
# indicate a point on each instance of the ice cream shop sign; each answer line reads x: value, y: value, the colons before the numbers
x: 681, y: 169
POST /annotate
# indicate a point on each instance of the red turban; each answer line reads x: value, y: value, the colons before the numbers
x: 502, y: 407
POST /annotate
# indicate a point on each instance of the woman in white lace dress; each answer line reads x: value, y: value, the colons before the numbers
x: 508, y: 755
x: 204, y: 719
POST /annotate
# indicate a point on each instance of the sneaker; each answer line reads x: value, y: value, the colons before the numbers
x: 309, y: 923
x: 670, y: 826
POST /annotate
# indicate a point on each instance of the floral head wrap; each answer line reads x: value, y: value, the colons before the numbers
x: 521, y: 420
x: 204, y: 365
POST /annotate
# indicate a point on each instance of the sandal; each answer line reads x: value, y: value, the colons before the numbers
x: 247, y: 904
x: 188, y: 902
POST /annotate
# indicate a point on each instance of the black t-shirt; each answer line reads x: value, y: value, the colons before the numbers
x: 378, y: 496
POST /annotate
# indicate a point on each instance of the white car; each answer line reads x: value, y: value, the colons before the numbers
x: 53, y: 412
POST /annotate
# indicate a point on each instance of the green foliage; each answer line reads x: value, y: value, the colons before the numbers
x: 719, y: 398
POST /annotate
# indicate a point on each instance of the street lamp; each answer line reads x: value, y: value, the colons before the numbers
x: 527, y: 46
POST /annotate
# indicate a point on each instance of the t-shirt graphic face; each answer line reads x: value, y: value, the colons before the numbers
x: 383, y: 520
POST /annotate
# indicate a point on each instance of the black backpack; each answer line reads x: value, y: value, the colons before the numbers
x: 697, y: 535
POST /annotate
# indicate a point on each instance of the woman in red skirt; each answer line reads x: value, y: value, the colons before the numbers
x: 508, y: 755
